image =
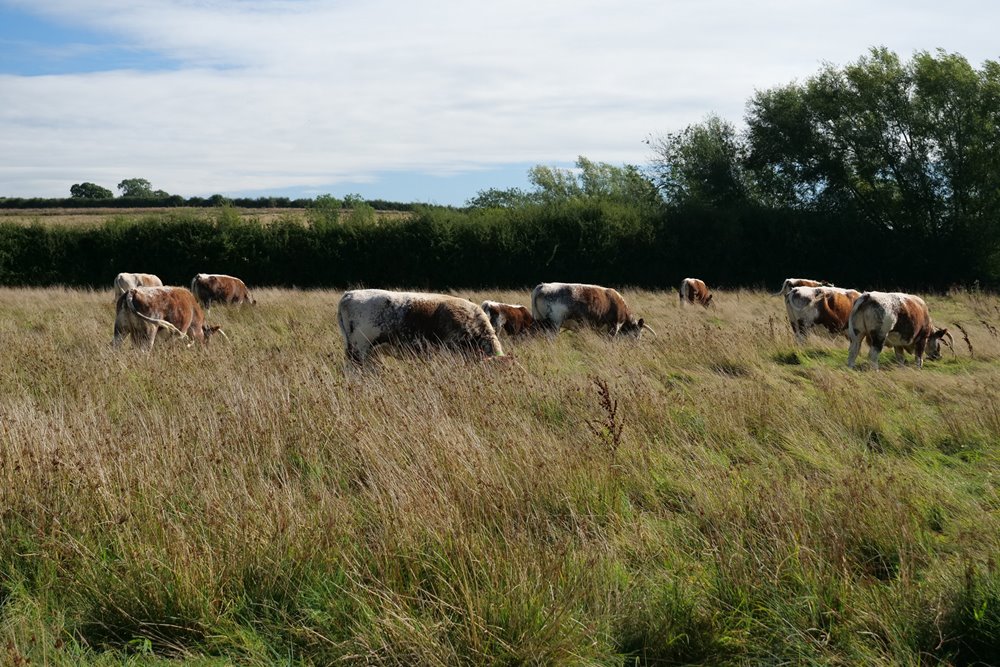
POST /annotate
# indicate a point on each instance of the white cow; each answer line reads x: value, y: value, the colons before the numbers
x: 126, y: 281
x: 825, y: 306
x: 369, y: 317
x: 901, y: 321
x: 791, y: 283
x: 603, y: 308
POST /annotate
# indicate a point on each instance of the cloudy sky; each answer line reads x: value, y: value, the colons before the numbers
x: 409, y: 101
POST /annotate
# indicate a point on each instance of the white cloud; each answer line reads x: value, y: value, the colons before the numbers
x: 282, y: 93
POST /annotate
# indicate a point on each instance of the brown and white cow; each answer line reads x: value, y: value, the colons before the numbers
x: 142, y: 311
x: 829, y: 307
x: 693, y: 290
x: 369, y: 317
x: 211, y: 288
x: 901, y: 321
x: 553, y: 304
x: 512, y: 319
x: 791, y: 283
x: 126, y: 281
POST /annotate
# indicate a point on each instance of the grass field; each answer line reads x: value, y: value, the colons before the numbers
x: 95, y: 217
x: 715, y: 495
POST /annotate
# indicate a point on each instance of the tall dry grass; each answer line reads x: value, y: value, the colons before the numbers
x: 715, y: 495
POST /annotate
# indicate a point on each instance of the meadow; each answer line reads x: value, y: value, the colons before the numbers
x: 97, y: 217
x: 715, y: 495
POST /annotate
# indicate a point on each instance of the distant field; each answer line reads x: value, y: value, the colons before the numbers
x: 97, y: 216
x: 714, y: 495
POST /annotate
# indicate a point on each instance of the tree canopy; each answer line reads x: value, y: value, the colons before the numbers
x: 89, y: 191
x: 909, y: 150
x: 134, y: 188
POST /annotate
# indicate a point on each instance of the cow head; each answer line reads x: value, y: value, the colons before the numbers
x: 210, y: 330
x: 490, y: 346
x: 708, y: 301
x: 934, y: 343
x: 633, y: 327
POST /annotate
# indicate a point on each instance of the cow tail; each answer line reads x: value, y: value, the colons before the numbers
x: 851, y: 331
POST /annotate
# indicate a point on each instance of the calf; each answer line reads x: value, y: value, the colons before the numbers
x: 901, y: 321
x: 369, y: 317
x: 825, y: 306
x: 692, y: 290
x: 211, y: 288
x: 142, y: 311
x: 553, y: 304
x: 507, y: 317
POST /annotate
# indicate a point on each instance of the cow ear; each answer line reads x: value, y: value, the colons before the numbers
x: 641, y: 322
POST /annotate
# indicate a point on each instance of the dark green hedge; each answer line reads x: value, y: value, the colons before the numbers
x: 440, y: 248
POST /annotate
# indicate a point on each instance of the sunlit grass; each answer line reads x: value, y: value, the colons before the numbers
x: 749, y: 500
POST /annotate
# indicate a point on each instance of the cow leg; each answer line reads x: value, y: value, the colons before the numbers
x: 900, y: 359
x: 918, y: 352
x: 852, y: 352
x: 801, y: 330
x: 875, y: 345
x: 356, y: 355
x: 143, y: 338
x: 119, y: 335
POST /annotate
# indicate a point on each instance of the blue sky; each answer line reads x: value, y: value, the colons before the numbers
x: 404, y: 101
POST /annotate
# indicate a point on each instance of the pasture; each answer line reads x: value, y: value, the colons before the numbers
x: 714, y: 495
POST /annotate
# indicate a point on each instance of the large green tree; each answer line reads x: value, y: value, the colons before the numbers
x: 702, y: 163
x: 132, y: 188
x: 89, y: 191
x: 912, y: 146
x: 885, y: 150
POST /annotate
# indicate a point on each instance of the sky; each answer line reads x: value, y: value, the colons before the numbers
x: 426, y: 101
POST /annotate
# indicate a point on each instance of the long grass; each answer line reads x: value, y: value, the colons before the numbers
x: 714, y: 495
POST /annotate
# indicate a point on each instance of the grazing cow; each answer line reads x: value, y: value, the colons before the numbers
x: 507, y: 317
x: 692, y: 290
x: 603, y: 308
x: 142, y: 311
x: 126, y: 281
x: 210, y: 288
x: 791, y: 283
x: 368, y: 317
x: 898, y: 320
x: 825, y: 306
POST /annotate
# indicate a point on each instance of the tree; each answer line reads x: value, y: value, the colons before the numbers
x: 913, y: 147
x: 134, y: 188
x: 703, y: 163
x: 497, y: 198
x: 89, y: 191
x: 598, y: 181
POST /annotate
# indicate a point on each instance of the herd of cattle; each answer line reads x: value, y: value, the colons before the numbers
x: 370, y: 317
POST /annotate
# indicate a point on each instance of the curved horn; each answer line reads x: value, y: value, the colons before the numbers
x: 223, y: 334
x: 646, y: 326
x: 950, y: 341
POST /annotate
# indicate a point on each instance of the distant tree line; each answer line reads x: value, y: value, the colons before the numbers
x: 139, y: 193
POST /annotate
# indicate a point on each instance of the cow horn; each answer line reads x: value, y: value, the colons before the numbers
x: 646, y: 326
x: 951, y: 341
x: 224, y: 335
